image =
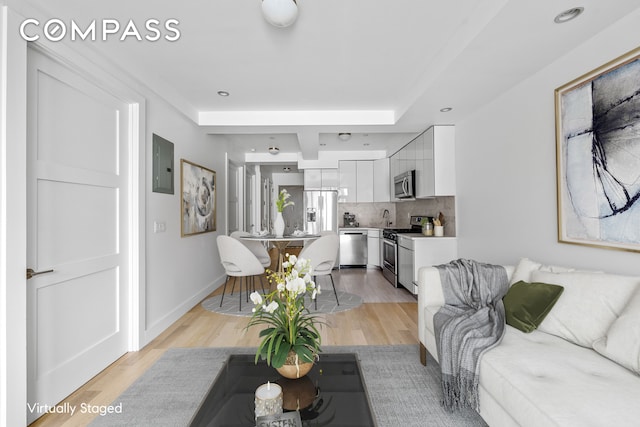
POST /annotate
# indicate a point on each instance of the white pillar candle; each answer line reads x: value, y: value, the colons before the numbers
x: 268, y: 399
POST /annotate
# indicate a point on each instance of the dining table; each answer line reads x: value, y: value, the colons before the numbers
x: 281, y: 243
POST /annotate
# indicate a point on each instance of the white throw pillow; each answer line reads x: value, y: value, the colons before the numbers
x: 523, y: 270
x: 589, y: 305
x: 526, y: 267
x: 622, y: 343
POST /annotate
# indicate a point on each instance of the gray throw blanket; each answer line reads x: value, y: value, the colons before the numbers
x: 470, y: 323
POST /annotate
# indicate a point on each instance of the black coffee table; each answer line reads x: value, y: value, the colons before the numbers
x: 332, y: 394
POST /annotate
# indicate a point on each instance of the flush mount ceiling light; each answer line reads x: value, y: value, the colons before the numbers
x: 223, y: 93
x: 274, y: 150
x: 344, y: 136
x: 280, y: 13
x: 446, y: 109
x: 568, y: 15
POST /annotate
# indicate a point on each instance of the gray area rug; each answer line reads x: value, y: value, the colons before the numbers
x: 326, y: 303
x: 402, y: 391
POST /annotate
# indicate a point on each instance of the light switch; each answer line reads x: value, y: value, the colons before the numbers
x: 159, y: 227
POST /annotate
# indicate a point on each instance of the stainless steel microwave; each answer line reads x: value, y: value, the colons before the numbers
x: 404, y: 185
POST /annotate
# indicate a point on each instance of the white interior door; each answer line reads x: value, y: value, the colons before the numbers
x: 234, y: 197
x: 78, y: 204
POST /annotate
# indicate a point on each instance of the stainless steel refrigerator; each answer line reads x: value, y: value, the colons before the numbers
x: 320, y: 211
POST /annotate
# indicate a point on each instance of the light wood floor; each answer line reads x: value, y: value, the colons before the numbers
x: 388, y: 316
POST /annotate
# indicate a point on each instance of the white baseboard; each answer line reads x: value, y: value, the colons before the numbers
x: 159, y: 326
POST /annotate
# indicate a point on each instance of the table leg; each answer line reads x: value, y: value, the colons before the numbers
x: 280, y: 246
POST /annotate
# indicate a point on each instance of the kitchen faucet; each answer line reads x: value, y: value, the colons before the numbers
x: 385, y: 216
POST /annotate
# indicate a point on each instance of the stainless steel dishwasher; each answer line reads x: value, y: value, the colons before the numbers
x: 353, y: 248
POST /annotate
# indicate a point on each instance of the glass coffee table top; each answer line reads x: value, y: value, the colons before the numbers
x: 332, y: 394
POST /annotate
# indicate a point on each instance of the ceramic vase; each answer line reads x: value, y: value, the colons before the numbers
x: 278, y: 225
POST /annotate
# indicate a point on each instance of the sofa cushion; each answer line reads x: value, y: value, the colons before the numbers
x: 622, y: 342
x: 527, y: 304
x: 526, y: 267
x: 589, y: 304
x: 543, y: 380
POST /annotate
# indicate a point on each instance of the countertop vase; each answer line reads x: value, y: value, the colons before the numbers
x: 278, y: 225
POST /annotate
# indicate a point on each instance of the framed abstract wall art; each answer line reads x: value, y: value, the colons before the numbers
x: 598, y: 156
x: 198, y: 202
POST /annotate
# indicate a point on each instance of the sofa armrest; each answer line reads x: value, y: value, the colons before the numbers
x: 429, y: 294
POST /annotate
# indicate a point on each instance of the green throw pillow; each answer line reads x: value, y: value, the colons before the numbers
x: 527, y: 304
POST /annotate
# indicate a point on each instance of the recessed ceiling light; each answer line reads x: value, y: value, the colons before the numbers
x: 223, y: 93
x: 274, y: 150
x: 322, y: 144
x: 344, y: 136
x: 253, y: 150
x: 568, y: 15
x: 446, y: 109
x: 286, y: 169
x: 366, y: 144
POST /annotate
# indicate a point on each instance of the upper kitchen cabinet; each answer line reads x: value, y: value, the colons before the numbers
x: 435, y: 162
x: 364, y: 181
x: 321, y: 179
x: 381, y: 190
x: 347, y: 177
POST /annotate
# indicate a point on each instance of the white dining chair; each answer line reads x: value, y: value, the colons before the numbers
x: 254, y: 246
x: 322, y: 254
x: 238, y: 261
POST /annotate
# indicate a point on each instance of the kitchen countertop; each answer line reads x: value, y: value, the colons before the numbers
x: 422, y: 236
x: 359, y: 228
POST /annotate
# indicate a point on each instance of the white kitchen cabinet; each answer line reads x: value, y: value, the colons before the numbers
x: 313, y: 179
x: 394, y: 167
x: 356, y: 181
x: 321, y: 179
x: 330, y: 180
x: 347, y: 177
x: 438, y: 174
x: 417, y: 252
x: 364, y: 181
x: 373, y: 248
x: 381, y: 187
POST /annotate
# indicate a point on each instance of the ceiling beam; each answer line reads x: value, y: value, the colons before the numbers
x: 309, y: 144
x: 297, y: 118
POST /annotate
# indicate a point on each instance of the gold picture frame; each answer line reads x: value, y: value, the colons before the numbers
x: 197, y: 199
x: 598, y: 156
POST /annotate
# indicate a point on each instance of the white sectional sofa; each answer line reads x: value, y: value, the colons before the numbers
x: 580, y: 367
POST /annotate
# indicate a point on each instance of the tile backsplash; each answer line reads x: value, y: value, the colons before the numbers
x: 368, y: 214
x: 371, y: 214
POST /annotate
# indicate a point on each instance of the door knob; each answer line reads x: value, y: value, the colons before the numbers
x: 31, y: 273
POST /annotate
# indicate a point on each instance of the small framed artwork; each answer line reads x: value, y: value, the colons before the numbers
x: 598, y: 156
x: 198, y: 202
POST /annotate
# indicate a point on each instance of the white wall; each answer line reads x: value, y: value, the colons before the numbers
x: 180, y: 271
x: 13, y: 221
x: 506, y: 167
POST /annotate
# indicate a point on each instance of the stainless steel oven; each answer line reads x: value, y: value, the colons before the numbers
x: 389, y: 258
x: 390, y: 253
